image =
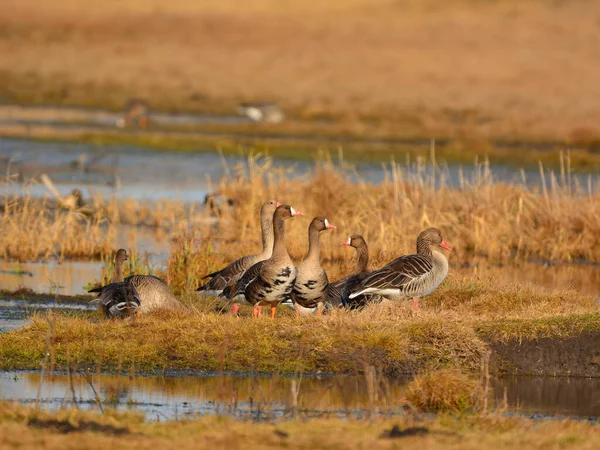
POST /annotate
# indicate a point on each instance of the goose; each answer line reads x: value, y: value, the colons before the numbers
x: 231, y: 273
x: 269, y: 282
x: 262, y: 112
x: 118, y: 299
x: 153, y: 292
x: 310, y: 287
x: 334, y: 294
x: 409, y: 276
x: 136, y: 113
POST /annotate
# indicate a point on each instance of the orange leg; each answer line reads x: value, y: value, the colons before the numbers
x: 416, y: 303
x: 256, y: 312
x: 259, y: 310
x: 273, y: 311
x: 297, y: 308
x: 138, y: 313
x: 235, y: 308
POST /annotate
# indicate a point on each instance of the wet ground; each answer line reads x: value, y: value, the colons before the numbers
x: 134, y: 172
x: 142, y: 174
x: 264, y: 397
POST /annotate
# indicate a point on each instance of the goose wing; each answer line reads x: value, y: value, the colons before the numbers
x: 223, y: 277
x: 137, y: 280
x: 118, y: 299
x: 239, y: 286
x: 395, y: 275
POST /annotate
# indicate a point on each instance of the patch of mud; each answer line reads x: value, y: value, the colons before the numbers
x: 575, y: 356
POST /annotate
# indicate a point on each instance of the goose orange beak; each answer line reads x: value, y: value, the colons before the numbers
x: 445, y: 245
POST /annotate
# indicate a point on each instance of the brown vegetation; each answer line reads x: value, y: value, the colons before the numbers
x: 502, y: 223
x: 465, y: 68
x: 22, y: 427
x: 452, y: 329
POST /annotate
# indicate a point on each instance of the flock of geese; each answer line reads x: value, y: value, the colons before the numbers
x: 270, y: 277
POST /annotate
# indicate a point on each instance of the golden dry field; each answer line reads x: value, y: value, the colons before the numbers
x: 476, y: 69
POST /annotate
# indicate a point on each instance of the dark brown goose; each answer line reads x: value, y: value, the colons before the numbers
x: 269, y: 282
x: 334, y: 293
x: 236, y: 269
x: 153, y: 292
x: 119, y: 298
x: 410, y: 276
x: 310, y: 287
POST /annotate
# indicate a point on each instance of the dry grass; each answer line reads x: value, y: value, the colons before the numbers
x: 443, y: 391
x: 503, y: 223
x: 38, y: 229
x: 22, y: 427
x: 559, y: 220
x: 484, y: 69
x: 451, y: 330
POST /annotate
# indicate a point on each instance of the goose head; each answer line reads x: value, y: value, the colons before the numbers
x: 354, y: 241
x: 286, y: 212
x: 268, y: 208
x: 121, y: 255
x: 431, y: 237
x: 321, y: 224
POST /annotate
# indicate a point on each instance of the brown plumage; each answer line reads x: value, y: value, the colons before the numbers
x: 334, y: 293
x: 269, y: 282
x: 118, y: 298
x: 310, y: 287
x: 410, y: 276
x: 231, y: 273
x: 151, y: 292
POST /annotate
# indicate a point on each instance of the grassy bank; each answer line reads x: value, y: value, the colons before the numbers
x: 27, y: 427
x: 454, y: 328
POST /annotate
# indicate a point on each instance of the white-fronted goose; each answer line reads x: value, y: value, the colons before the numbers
x: 153, y: 292
x: 334, y: 294
x: 235, y: 270
x: 410, y: 276
x: 118, y: 298
x: 269, y: 282
x: 310, y: 287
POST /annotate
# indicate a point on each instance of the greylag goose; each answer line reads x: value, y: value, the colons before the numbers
x: 269, y: 282
x: 334, y: 294
x: 310, y: 287
x: 153, y: 292
x: 119, y: 298
x: 409, y: 276
x: 236, y: 269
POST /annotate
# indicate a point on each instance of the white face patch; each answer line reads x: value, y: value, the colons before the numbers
x: 326, y: 223
x: 348, y: 241
x: 293, y: 211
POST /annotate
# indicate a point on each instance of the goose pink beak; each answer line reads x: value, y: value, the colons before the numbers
x: 347, y: 241
x: 330, y: 227
x: 297, y: 213
x: 279, y: 204
x: 445, y: 245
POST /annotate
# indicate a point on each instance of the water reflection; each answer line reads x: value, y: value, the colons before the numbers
x: 583, y: 278
x: 265, y: 397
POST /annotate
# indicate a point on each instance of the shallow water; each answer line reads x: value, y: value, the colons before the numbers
x: 264, y: 397
x: 16, y: 313
x: 134, y: 172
